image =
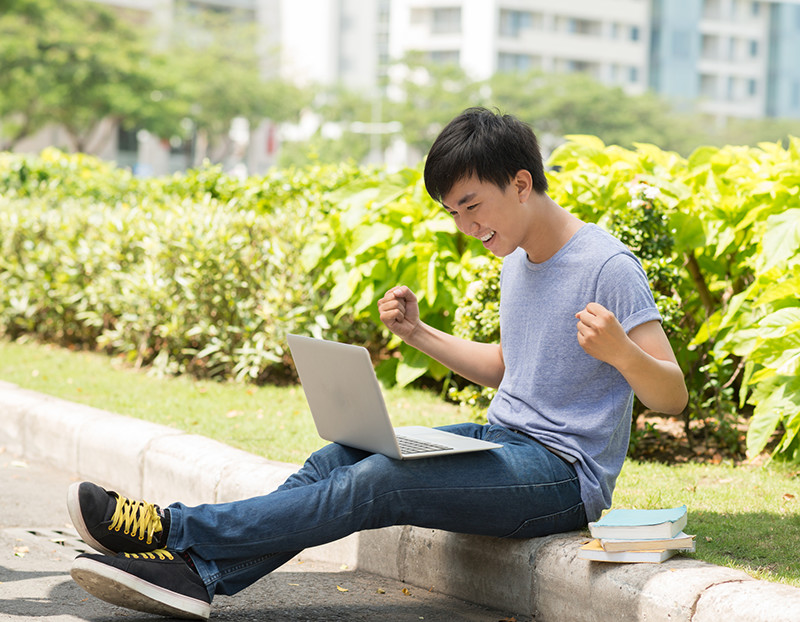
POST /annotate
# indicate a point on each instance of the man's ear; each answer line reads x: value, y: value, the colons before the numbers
x: 523, y: 183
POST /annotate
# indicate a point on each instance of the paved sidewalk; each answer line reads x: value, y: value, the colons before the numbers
x: 38, y: 544
x: 539, y: 578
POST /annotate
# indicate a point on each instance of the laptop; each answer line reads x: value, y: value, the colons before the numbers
x: 348, y: 408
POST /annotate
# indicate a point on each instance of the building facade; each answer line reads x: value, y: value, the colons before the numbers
x: 730, y: 58
x: 727, y: 58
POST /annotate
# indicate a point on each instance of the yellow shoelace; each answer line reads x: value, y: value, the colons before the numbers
x: 158, y: 553
x: 137, y: 518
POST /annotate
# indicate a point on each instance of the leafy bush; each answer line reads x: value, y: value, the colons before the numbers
x: 205, y: 273
x: 197, y: 273
x: 379, y: 232
x: 477, y: 318
x: 752, y: 223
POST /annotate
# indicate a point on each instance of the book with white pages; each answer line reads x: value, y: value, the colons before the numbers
x: 594, y: 552
x: 636, y: 524
x: 681, y: 542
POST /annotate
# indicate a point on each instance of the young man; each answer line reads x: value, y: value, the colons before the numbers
x: 580, y: 334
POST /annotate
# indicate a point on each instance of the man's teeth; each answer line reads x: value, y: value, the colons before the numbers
x: 487, y: 237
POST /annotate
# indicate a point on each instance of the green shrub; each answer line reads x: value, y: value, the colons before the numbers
x: 205, y: 273
x: 754, y: 234
x: 193, y: 273
x: 477, y: 318
x: 382, y: 231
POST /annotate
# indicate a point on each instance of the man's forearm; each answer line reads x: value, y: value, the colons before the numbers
x: 658, y: 384
x: 481, y: 363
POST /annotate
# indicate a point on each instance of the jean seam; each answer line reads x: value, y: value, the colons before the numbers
x: 355, y: 509
x: 539, y: 519
x: 217, y: 576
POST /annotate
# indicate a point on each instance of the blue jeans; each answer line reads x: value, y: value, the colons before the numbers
x: 520, y: 491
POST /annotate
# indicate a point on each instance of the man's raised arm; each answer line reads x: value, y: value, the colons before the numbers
x: 481, y: 363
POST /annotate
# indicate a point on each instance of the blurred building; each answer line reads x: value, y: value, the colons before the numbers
x: 729, y: 58
x: 733, y: 58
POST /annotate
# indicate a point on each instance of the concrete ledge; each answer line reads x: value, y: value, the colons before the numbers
x: 667, y: 591
x: 541, y: 577
x: 755, y: 601
x: 489, y: 571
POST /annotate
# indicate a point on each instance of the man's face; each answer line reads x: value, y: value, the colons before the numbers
x: 485, y: 211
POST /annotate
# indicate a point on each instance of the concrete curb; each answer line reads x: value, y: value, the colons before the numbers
x: 541, y: 577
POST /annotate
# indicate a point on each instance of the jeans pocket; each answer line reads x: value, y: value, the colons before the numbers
x: 571, y: 519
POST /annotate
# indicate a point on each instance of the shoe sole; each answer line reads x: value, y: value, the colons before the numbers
x: 74, y: 509
x: 120, y: 588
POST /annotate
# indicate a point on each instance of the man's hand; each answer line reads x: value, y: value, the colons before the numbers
x: 644, y: 357
x: 600, y: 334
x: 399, y: 311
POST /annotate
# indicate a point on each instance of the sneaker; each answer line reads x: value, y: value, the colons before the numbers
x: 111, y: 524
x: 155, y: 582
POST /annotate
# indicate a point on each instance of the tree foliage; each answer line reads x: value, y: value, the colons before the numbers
x: 76, y: 63
x: 423, y: 96
x: 215, y: 72
x: 72, y: 63
x: 575, y: 103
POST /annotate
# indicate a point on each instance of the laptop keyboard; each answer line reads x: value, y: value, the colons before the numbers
x: 414, y: 446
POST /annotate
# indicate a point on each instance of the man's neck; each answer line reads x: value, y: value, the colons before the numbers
x: 552, y: 228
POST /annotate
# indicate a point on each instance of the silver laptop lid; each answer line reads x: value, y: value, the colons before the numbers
x: 343, y: 394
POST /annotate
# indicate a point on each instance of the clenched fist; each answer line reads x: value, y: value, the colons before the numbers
x: 399, y: 311
x: 600, y: 334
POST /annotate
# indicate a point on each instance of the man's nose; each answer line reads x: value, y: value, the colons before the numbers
x: 467, y: 226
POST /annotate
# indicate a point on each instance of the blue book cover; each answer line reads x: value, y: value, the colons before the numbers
x: 640, y: 524
x: 634, y: 518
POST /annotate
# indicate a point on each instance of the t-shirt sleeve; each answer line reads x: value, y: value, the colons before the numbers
x: 622, y: 288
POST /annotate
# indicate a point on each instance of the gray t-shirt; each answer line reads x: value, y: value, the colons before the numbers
x: 552, y: 389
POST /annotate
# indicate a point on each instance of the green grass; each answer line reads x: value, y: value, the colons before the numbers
x: 273, y: 422
x: 745, y: 517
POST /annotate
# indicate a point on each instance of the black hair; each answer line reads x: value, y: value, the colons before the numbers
x: 490, y: 145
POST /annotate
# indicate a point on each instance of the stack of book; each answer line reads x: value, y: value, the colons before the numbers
x: 638, y: 536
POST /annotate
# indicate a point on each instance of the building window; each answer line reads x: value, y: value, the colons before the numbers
x: 509, y: 63
x: 126, y: 140
x: 753, y: 49
x: 635, y: 33
x: 513, y: 22
x: 444, y: 57
x: 583, y: 26
x: 633, y: 74
x: 710, y: 47
x: 755, y: 8
x: 708, y: 86
x: 580, y: 66
x: 752, y: 87
x: 446, y: 20
x: 712, y: 9
x: 383, y: 11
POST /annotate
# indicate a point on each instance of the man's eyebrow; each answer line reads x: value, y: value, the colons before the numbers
x: 467, y: 198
